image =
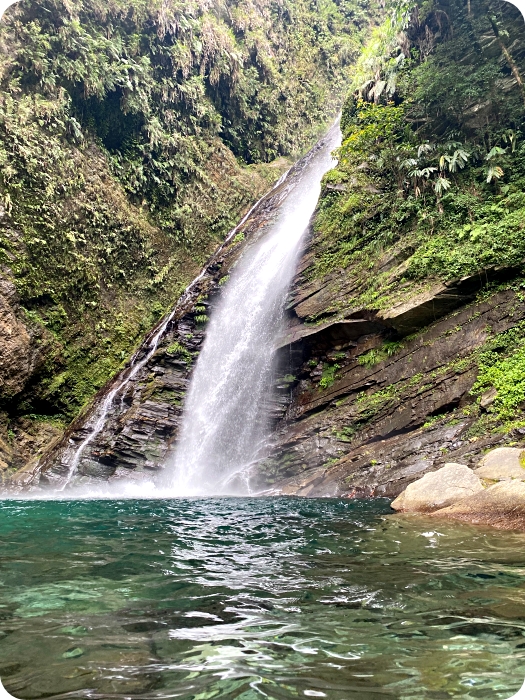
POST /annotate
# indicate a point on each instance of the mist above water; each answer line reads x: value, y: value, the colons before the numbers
x: 225, y: 419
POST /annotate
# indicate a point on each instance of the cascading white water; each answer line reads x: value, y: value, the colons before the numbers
x: 224, y: 423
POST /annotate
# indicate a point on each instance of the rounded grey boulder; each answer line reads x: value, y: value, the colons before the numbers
x: 502, y: 463
x: 439, y: 489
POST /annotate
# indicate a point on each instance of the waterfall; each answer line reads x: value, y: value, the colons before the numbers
x: 140, y: 359
x: 224, y: 423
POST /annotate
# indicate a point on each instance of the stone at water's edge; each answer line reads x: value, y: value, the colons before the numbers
x: 456, y: 492
x: 501, y: 505
x: 438, y: 489
x: 502, y: 463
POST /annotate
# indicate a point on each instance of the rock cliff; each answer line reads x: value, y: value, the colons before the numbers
x: 404, y: 346
x: 133, y: 136
x: 407, y: 317
x: 374, y: 429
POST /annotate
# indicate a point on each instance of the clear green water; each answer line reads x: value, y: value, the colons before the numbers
x: 255, y: 598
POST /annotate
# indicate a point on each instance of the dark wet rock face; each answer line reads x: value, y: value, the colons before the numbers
x: 141, y: 426
x: 142, y: 422
x: 370, y: 429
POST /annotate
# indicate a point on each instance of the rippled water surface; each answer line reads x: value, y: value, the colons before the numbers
x: 255, y: 598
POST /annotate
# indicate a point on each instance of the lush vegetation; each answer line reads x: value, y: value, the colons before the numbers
x: 155, y: 82
x: 501, y: 365
x: 133, y: 133
x: 430, y: 182
x: 432, y: 165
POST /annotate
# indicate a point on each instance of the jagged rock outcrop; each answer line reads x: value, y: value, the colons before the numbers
x: 425, y: 308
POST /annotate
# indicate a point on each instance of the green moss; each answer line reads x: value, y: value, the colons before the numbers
x: 166, y: 395
x: 504, y: 373
x: 178, y: 350
x: 328, y: 376
x: 287, y: 379
x: 345, y: 434
x: 370, y: 404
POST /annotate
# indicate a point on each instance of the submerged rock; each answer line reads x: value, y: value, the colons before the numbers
x: 502, y: 463
x: 438, y: 489
x: 501, y: 505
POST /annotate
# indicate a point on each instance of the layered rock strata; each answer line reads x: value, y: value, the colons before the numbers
x: 362, y: 428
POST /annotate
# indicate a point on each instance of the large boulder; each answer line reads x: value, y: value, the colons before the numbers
x: 438, y: 489
x: 501, y: 505
x: 502, y: 463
